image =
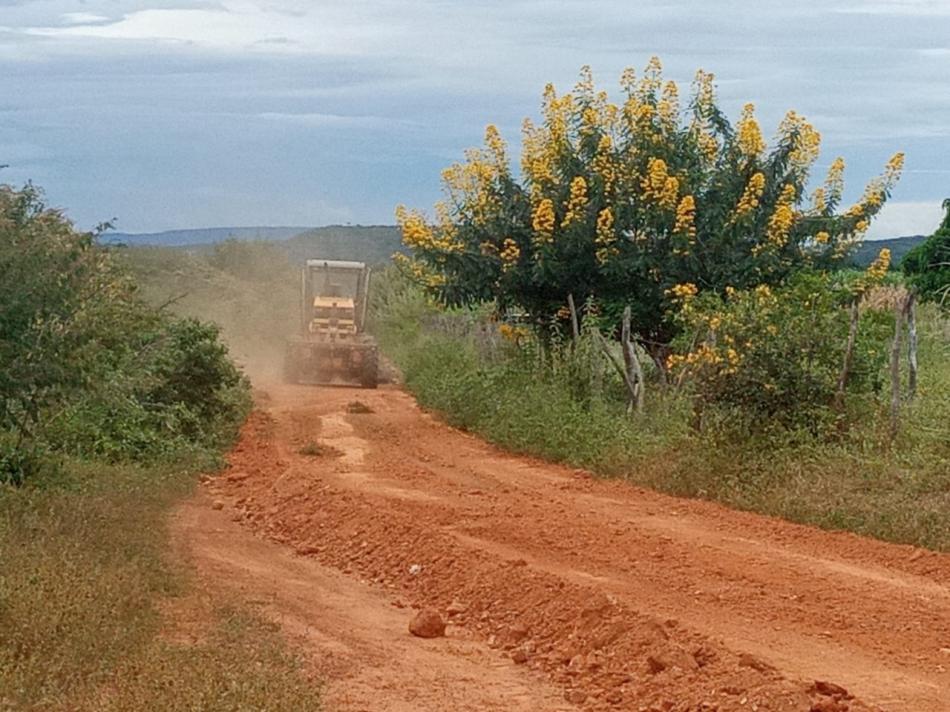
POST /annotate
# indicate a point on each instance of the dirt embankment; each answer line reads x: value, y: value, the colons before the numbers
x: 565, y: 592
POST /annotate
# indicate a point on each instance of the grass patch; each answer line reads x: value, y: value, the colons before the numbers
x: 315, y: 449
x: 85, y: 572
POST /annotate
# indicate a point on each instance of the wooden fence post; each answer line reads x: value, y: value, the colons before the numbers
x: 848, y: 354
x: 911, y: 345
x: 899, y: 310
x: 575, y: 325
x: 632, y: 362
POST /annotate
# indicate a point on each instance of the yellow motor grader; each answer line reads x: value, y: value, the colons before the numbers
x: 332, y: 345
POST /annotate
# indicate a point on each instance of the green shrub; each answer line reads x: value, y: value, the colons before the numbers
x: 927, y: 266
x: 89, y: 368
x: 775, y: 357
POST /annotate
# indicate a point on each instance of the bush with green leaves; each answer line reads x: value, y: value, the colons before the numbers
x: 927, y: 266
x: 776, y: 355
x: 88, y: 367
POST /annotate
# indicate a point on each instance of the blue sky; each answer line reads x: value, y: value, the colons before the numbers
x: 166, y: 114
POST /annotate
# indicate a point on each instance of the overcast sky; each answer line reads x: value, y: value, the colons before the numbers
x: 166, y: 114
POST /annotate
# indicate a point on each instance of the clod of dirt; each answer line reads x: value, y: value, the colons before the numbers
x: 427, y: 623
x: 519, y: 656
x: 750, y: 661
x: 313, y: 449
x: 655, y: 665
x: 822, y: 687
x: 517, y: 632
x: 575, y: 697
x: 217, y: 504
x: 358, y: 408
x: 830, y: 705
x: 456, y: 608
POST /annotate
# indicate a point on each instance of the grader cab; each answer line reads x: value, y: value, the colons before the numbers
x: 332, y: 345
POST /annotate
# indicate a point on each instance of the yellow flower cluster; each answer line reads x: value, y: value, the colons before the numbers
x: 417, y: 233
x: 704, y: 92
x: 751, y: 196
x: 822, y: 237
x: 726, y: 360
x: 590, y: 120
x: 683, y: 292
x: 652, y: 79
x: 510, y: 252
x: 605, y: 236
x: 807, y: 141
x: 557, y: 114
x: 542, y: 221
x: 704, y: 99
x: 576, y: 203
x: 470, y: 185
x: 537, y: 158
x: 628, y: 80
x: 514, y: 334
x: 708, y: 144
x: 659, y: 186
x: 878, y: 269
x: 751, y: 142
x: 686, y: 217
x: 603, y: 163
x: 876, y: 192
x: 818, y: 202
x: 585, y: 85
x: 834, y: 182
x: 418, y: 271
x: 783, y: 218
x: 496, y: 147
x: 668, y: 107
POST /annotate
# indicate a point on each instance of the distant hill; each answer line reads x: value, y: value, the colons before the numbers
x: 201, y: 236
x: 373, y: 244
x: 899, y: 246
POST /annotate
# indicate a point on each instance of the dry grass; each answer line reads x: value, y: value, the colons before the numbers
x: 85, y: 573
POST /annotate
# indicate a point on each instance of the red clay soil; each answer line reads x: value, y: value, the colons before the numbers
x: 612, y: 597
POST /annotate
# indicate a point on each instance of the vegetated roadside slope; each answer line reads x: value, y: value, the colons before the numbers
x: 624, y: 598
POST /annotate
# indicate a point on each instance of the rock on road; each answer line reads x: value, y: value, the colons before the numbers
x: 561, y: 591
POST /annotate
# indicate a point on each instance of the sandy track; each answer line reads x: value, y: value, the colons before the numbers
x: 609, y: 596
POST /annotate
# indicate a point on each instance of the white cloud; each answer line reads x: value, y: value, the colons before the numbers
x: 82, y: 18
x: 234, y: 26
x: 898, y: 7
x: 906, y: 218
x: 321, y: 119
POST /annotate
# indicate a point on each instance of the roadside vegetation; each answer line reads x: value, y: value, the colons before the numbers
x: 109, y: 409
x: 660, y: 300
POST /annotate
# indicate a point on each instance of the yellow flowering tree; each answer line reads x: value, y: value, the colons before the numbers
x: 622, y: 202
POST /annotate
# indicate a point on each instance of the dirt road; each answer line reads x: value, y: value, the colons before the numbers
x: 567, y: 592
